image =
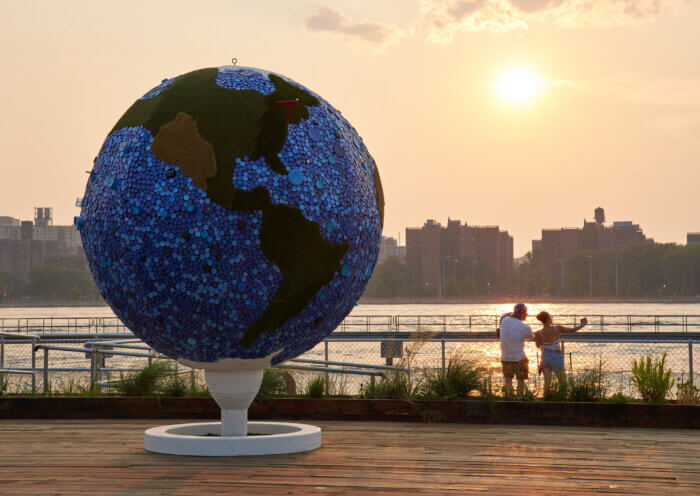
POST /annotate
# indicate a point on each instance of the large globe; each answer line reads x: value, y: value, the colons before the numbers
x: 232, y: 214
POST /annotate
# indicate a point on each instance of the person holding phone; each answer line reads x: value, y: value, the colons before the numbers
x: 549, y: 339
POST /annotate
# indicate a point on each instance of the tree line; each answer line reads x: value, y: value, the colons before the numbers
x: 50, y: 282
x: 644, y: 270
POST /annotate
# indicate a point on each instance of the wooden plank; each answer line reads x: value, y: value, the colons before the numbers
x: 95, y: 457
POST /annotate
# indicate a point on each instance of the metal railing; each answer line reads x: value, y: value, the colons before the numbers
x: 385, y: 323
x: 352, y: 354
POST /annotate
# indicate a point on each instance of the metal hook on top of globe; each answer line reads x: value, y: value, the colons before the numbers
x: 234, y: 61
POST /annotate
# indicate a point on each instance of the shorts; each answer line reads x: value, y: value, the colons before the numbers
x: 518, y: 369
x: 552, y: 359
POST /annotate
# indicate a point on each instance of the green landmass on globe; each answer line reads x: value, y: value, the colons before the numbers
x: 201, y: 128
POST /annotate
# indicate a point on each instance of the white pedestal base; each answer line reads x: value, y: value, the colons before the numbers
x: 205, y: 439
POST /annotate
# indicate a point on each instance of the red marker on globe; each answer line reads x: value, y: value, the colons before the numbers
x: 291, y: 104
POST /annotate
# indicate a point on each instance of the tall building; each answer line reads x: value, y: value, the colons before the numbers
x: 389, y: 247
x: 434, y: 252
x: 28, y: 244
x: 9, y: 228
x: 557, y: 245
x: 693, y: 239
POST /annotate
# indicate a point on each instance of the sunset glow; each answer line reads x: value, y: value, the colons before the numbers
x: 518, y: 85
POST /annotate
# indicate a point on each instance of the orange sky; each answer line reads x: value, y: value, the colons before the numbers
x: 615, y: 124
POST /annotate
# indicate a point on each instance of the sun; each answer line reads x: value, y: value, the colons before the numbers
x: 518, y: 85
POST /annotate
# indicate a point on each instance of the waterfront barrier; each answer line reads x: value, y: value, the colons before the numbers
x: 39, y: 361
x: 386, y: 323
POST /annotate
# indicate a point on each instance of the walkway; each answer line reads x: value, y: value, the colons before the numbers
x: 106, y: 457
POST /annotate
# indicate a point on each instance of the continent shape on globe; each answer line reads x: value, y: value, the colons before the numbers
x: 232, y: 213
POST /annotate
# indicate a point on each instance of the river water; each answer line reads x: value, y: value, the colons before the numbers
x: 419, y: 309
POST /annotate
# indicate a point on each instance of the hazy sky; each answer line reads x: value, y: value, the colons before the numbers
x: 615, y: 122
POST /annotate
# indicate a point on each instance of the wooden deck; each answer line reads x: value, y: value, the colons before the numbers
x: 106, y: 457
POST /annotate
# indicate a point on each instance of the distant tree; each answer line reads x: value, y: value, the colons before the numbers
x: 390, y: 278
x: 50, y: 281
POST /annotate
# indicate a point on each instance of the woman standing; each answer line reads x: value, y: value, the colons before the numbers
x: 549, y: 339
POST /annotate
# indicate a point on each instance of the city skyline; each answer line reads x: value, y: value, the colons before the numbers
x: 538, y: 118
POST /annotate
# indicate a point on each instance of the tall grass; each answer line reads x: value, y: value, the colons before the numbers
x: 582, y: 387
x: 273, y: 384
x: 316, y: 387
x: 455, y: 382
x: 72, y: 387
x: 652, y: 379
x: 145, y: 382
x: 687, y: 393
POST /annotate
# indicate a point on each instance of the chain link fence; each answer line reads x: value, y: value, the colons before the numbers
x: 71, y: 361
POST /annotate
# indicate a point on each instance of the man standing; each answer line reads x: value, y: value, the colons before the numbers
x: 513, y: 334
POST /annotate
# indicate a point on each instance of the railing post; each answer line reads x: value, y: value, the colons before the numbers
x: 93, y: 366
x: 690, y: 360
x: 46, y: 371
x: 443, y: 352
x: 470, y: 323
x: 33, y: 365
x: 2, y: 352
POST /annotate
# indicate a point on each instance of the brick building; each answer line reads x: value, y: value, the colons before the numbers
x: 434, y: 253
x: 28, y: 244
x: 557, y: 245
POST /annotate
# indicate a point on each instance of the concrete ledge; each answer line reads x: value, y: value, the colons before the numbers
x: 477, y: 412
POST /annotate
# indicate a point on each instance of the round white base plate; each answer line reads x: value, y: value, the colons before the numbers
x: 204, y: 439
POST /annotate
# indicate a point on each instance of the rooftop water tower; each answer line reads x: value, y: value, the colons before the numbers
x: 599, y: 216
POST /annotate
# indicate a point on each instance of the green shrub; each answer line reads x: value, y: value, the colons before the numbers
x: 316, y: 387
x: 586, y: 386
x: 4, y: 384
x: 175, y: 386
x: 620, y: 399
x: 687, y: 393
x: 145, y: 382
x: 393, y: 385
x: 652, y: 379
x: 557, y: 391
x: 454, y: 382
x: 273, y: 384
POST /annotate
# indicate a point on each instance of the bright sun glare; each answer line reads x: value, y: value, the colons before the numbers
x: 518, y: 85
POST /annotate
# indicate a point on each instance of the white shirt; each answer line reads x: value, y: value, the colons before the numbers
x: 514, y: 333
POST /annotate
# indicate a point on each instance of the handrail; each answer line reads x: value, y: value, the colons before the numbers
x: 19, y: 335
x: 346, y: 364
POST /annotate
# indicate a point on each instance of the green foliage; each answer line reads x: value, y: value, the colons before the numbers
x: 4, y: 384
x: 54, y: 282
x: 273, y: 384
x: 393, y: 385
x: 454, y: 382
x: 145, y: 382
x: 174, y: 386
x: 316, y: 387
x: 620, y: 399
x: 687, y: 393
x: 557, y: 391
x: 652, y: 379
x: 583, y: 387
x: 648, y: 269
x: 390, y: 278
x: 586, y: 386
x: 72, y: 387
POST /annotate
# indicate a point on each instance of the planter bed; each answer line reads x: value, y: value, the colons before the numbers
x: 476, y: 412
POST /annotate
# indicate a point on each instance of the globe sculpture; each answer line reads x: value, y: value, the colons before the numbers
x: 231, y: 220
